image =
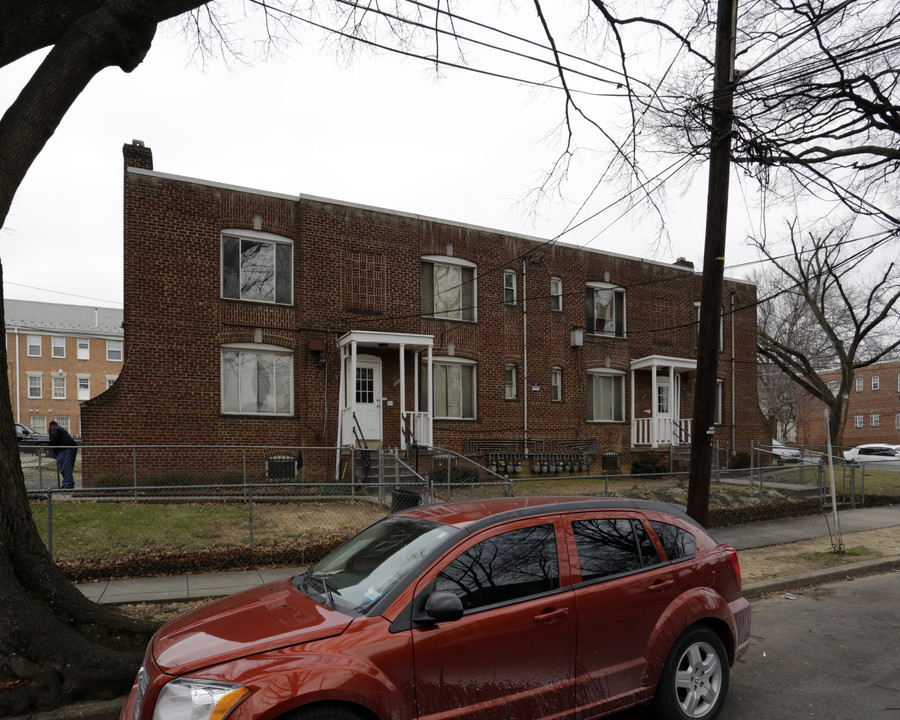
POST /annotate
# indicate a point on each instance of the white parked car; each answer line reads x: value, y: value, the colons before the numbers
x: 781, y: 453
x: 882, y: 454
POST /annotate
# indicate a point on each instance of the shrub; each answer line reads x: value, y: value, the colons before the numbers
x: 647, y: 466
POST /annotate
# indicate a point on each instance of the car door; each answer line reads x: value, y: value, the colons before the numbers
x: 623, y: 592
x: 511, y: 654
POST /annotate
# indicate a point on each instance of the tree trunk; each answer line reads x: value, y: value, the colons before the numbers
x: 56, y: 646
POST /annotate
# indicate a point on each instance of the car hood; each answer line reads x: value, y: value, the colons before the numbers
x: 270, y: 616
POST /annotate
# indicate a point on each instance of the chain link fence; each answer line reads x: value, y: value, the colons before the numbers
x: 151, y: 510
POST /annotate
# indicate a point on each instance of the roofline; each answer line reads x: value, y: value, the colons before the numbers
x: 413, y: 216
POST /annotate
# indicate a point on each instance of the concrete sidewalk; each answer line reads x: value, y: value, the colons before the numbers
x: 741, y: 537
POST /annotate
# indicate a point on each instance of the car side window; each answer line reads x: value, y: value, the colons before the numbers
x: 612, y: 546
x: 677, y: 542
x: 509, y: 566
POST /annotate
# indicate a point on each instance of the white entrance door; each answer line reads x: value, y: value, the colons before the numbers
x: 664, y: 404
x: 367, y: 401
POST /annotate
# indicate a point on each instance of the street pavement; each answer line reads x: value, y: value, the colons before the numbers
x: 742, y: 537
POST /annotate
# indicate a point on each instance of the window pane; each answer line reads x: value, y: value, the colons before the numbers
x: 454, y: 391
x: 283, y: 384
x: 427, y: 289
x: 265, y: 383
x: 677, y: 543
x: 606, y: 547
x: 605, y: 399
x: 230, y: 382
x: 231, y: 267
x: 283, y: 273
x: 468, y: 391
x: 440, y: 390
x: 506, y: 567
x: 447, y: 291
x: 467, y: 276
x: 257, y: 270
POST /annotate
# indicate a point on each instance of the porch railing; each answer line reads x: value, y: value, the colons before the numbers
x: 660, y: 431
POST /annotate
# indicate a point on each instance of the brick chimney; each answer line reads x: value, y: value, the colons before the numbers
x: 137, y: 156
x: 684, y: 263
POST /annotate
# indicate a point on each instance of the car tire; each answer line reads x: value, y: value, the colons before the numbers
x: 694, y: 680
x: 324, y: 711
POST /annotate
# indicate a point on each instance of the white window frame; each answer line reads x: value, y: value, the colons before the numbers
x: 464, y: 294
x: 697, y: 328
x: 114, y: 351
x: 618, y: 292
x: 556, y: 294
x: 443, y: 365
x: 38, y: 424
x: 510, y: 291
x: 556, y: 384
x: 859, y: 384
x: 834, y: 386
x: 510, y: 385
x: 57, y: 346
x: 876, y: 382
x: 65, y: 422
x: 34, y: 342
x: 110, y: 380
x: 35, y: 385
x: 247, y: 402
x: 83, y: 387
x: 617, y: 378
x: 83, y: 351
x: 720, y: 397
x: 897, y: 421
x: 875, y: 419
x: 277, y: 289
x: 859, y: 420
x: 59, y: 387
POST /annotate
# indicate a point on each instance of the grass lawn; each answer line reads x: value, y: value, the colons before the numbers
x: 109, y: 530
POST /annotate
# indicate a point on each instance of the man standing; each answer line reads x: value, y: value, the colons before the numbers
x: 65, y: 449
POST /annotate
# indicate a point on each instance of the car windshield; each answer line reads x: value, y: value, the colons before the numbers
x: 366, y: 567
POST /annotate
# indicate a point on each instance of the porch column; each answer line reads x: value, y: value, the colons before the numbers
x: 403, y: 438
x: 633, y: 418
x: 653, y: 402
x: 430, y: 397
x: 672, y: 412
x: 351, y: 388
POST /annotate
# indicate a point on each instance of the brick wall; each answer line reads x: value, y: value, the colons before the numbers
x: 876, y: 405
x: 358, y: 269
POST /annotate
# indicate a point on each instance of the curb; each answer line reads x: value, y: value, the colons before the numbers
x: 755, y: 590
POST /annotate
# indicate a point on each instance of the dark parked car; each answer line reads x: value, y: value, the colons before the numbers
x: 520, y: 608
x: 28, y: 439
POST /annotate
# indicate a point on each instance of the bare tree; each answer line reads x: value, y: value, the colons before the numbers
x: 823, y: 313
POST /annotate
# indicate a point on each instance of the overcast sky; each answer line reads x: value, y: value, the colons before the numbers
x: 382, y: 131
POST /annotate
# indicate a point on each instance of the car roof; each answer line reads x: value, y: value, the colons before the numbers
x: 473, y: 514
x: 878, y: 445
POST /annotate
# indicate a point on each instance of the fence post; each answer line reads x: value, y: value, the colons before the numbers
x: 250, y: 503
x: 507, y: 487
x: 50, y: 523
x: 244, y: 465
x: 134, y: 478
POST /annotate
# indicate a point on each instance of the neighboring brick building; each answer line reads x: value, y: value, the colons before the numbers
x: 247, y: 311
x: 59, y: 356
x: 873, y: 413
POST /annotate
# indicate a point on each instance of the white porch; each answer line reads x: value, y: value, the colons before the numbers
x: 660, y: 423
x: 362, y: 398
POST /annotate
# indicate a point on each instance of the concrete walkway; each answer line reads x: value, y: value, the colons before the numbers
x: 741, y: 537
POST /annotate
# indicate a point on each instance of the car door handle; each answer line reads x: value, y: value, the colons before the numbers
x: 661, y: 585
x: 549, y: 616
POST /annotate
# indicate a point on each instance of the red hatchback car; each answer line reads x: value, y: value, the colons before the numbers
x: 519, y: 608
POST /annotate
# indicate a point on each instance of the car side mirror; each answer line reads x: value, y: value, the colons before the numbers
x: 441, y: 606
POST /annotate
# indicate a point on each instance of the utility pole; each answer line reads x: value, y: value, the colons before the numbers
x: 713, y: 262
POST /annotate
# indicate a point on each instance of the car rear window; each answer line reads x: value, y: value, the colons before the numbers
x: 612, y: 546
x: 677, y: 542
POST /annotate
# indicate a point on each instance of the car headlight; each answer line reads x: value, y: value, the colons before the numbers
x: 190, y: 699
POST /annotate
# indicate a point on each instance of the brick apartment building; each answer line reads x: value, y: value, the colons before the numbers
x: 58, y: 357
x: 873, y: 414
x: 258, y: 317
